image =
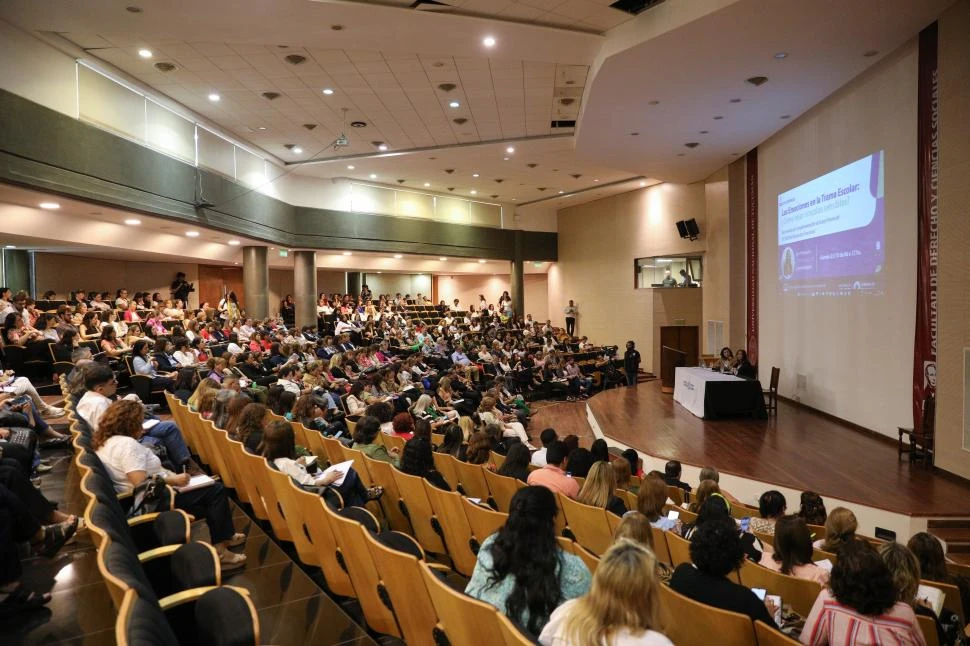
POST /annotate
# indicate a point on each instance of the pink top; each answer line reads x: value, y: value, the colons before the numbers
x: 554, y: 478
x: 832, y: 623
x: 808, y: 571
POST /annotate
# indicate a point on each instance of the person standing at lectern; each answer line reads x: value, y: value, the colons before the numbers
x: 570, y: 312
x: 631, y: 363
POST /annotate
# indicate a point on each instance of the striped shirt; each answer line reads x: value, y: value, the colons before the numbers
x: 830, y: 622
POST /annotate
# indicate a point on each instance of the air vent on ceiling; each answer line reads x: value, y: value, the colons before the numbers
x: 460, y: 120
x: 294, y: 59
x: 272, y: 96
x: 163, y: 66
x: 446, y: 87
x: 430, y: 5
x: 569, y: 123
x: 635, y: 7
x: 309, y: 126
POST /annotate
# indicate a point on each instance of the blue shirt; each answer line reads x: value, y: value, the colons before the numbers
x: 574, y: 581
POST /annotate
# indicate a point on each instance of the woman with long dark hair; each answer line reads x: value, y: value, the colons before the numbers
x: 417, y: 460
x: 521, y: 570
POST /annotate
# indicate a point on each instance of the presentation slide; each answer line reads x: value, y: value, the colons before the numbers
x: 831, y: 232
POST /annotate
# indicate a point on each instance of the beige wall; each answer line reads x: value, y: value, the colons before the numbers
x: 717, y: 284
x: 849, y: 356
x: 64, y: 274
x: 954, y: 261
x: 738, y: 262
x: 467, y: 287
x: 599, y: 241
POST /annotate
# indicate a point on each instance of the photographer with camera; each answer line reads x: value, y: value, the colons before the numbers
x: 181, y: 289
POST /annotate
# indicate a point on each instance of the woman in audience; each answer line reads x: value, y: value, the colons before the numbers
x: 932, y: 563
x: 905, y: 571
x: 278, y: 446
x: 479, y: 449
x: 580, y: 462
x: 183, y: 352
x: 64, y: 348
x: 650, y: 502
x: 726, y: 362
x: 110, y: 345
x: 860, y: 605
x: 622, y: 606
x: 633, y: 458
x: 521, y: 569
x: 771, y: 506
x: 793, y: 551
x: 129, y: 463
x: 704, y: 491
x: 17, y: 332
x: 143, y: 364
x: 489, y: 414
x: 248, y: 426
x: 571, y: 442
x: 599, y: 488
x: 812, y: 508
x: 600, y: 450
x: 417, y: 460
x: 621, y: 469
x: 403, y: 425
x: 131, y: 314
x: 355, y: 405
x: 90, y: 328
x: 425, y: 407
x: 233, y: 408
x: 205, y: 386
x: 710, y: 473
x: 365, y: 440
x: 516, y: 463
x: 840, y: 527
x: 715, y: 552
x: 453, y: 444
x: 635, y: 527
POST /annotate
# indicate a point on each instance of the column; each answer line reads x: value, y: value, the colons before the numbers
x: 517, y: 286
x: 354, y: 281
x: 16, y: 270
x: 256, y: 282
x: 305, y: 287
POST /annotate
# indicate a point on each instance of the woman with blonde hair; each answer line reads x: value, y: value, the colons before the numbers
x: 205, y: 386
x: 622, y: 608
x: 599, y: 487
x: 635, y: 527
x: 704, y: 491
x: 467, y: 426
x: 840, y: 528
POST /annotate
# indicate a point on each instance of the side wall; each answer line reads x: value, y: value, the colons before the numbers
x: 466, y: 288
x: 953, y: 398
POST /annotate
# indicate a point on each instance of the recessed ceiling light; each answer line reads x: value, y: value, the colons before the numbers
x: 297, y: 150
x: 233, y: 243
x: 348, y: 253
x: 482, y: 261
x: 781, y: 55
x: 192, y: 234
x: 10, y: 246
x: 373, y: 176
x: 398, y: 256
x: 351, y: 167
x: 442, y: 259
x: 214, y: 97
x: 735, y: 100
x: 454, y: 104
x: 561, y: 192
x: 505, y: 159
x: 145, y: 53
x: 595, y: 180
x: 260, y: 127
x: 634, y: 134
x: 272, y: 248
x: 488, y: 41
x: 382, y: 147
x: 510, y: 150
x: 643, y: 183
x: 133, y: 222
x: 427, y: 184
x: 380, y: 272
x: 474, y: 192
x: 474, y: 174
x: 50, y: 206
x: 327, y: 91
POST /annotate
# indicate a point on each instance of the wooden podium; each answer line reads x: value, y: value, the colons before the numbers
x: 679, y: 346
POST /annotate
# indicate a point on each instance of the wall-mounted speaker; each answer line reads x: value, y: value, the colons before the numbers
x: 682, y: 228
x: 688, y: 229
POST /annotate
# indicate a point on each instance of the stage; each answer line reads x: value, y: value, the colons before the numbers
x: 797, y: 449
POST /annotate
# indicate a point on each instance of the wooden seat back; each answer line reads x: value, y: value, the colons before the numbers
x: 588, y: 524
x: 310, y: 509
x: 451, y: 524
x: 497, y: 459
x: 482, y: 521
x: 471, y: 480
x: 462, y: 619
x: 258, y: 471
x: 952, y: 600
x: 332, y: 447
x: 771, y: 636
x: 800, y: 594
x: 689, y: 622
x: 444, y: 463
x: 502, y: 488
x: 417, y: 508
x: 283, y: 488
x: 928, y: 627
x: 382, y: 475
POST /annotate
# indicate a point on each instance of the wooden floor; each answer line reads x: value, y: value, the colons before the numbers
x: 797, y: 449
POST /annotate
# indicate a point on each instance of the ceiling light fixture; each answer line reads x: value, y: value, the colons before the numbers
x: 214, y: 97
x: 327, y: 91
x: 505, y: 159
x: 260, y: 127
x: 442, y: 259
x: 348, y: 253
x: 510, y: 150
x: 10, y: 246
x: 351, y: 167
x: 398, y: 256
x: 482, y: 261
x: 474, y: 192
x: 561, y: 192
x: 781, y: 55
x: 192, y: 234
x: 643, y: 184
x: 373, y: 176
x: 427, y: 184
x: 488, y: 41
x: 233, y: 243
x: 382, y: 147
x: 145, y: 53
x: 297, y: 150
x: 454, y: 104
x: 474, y: 174
x: 49, y: 206
x: 132, y: 222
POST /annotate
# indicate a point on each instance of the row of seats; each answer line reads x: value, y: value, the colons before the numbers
x: 167, y: 589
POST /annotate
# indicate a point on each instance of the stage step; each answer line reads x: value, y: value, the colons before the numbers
x: 644, y: 377
x: 956, y: 534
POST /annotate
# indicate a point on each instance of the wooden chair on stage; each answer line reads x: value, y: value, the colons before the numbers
x: 920, y: 445
x: 771, y: 395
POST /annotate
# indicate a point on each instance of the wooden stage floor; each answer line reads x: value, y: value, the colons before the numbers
x: 797, y: 449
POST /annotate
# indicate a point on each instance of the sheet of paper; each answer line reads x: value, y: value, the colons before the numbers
x: 149, y: 423
x: 196, y: 482
x: 343, y: 468
x: 933, y: 595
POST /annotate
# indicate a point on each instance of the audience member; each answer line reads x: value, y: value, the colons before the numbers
x: 453, y: 444
x: 546, y: 438
x: 860, y: 605
x: 599, y: 487
x: 792, y: 553
x: 932, y: 562
x: 621, y: 607
x: 365, y: 441
x: 580, y: 462
x: 553, y: 476
x: 521, y: 569
x: 905, y: 571
x: 672, y: 471
x: 621, y: 469
x: 600, y: 450
x: 771, y: 506
x: 516, y: 463
x: 417, y: 460
x: 840, y: 527
x: 479, y: 449
x: 650, y: 502
x: 636, y: 463
x: 812, y: 508
x: 704, y: 491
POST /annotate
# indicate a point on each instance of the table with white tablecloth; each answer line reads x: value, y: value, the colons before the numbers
x: 710, y: 395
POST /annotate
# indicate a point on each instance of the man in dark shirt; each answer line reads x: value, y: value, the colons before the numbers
x: 672, y: 472
x: 631, y: 363
x: 181, y: 288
